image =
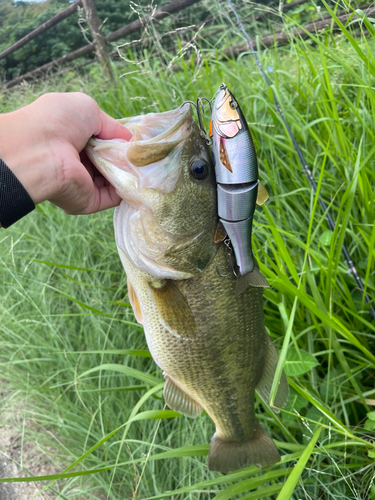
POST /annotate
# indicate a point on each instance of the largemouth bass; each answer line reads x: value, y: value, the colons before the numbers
x: 210, y: 343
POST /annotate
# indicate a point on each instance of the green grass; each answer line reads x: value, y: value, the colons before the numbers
x: 72, y: 356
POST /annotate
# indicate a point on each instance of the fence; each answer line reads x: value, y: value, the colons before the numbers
x: 43, y: 27
x: 100, y: 42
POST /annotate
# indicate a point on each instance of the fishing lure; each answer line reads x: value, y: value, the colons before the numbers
x: 238, y: 186
x: 236, y: 169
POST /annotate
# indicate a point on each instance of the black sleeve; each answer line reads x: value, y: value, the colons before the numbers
x: 15, y: 201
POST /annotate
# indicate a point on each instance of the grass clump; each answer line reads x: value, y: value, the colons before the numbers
x: 70, y: 348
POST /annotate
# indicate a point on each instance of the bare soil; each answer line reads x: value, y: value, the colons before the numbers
x: 10, y: 456
x: 14, y: 450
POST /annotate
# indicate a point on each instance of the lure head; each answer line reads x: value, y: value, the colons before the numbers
x: 232, y: 145
x: 227, y: 118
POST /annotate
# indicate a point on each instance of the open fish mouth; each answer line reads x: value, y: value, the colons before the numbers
x: 150, y: 159
x: 155, y: 127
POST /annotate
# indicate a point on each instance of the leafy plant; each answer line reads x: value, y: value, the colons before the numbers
x: 74, y: 361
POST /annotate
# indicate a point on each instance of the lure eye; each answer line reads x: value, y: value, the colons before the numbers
x: 233, y: 105
x: 199, y: 170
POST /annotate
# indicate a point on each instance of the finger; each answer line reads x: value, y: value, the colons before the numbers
x: 97, y: 178
x: 86, y: 162
x: 105, y: 197
x: 112, y: 129
x: 99, y: 181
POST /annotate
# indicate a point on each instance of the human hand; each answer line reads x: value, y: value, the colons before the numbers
x: 43, y: 144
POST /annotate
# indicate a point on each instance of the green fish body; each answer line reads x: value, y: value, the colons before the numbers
x: 209, y: 341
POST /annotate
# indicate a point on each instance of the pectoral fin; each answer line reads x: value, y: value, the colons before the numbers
x: 265, y: 383
x: 135, y: 303
x: 178, y: 400
x: 262, y: 195
x: 224, y: 156
x: 220, y: 233
x: 174, y: 311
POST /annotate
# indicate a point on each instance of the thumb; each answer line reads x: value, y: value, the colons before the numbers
x: 112, y: 129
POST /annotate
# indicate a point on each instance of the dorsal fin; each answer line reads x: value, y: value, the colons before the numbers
x: 262, y: 195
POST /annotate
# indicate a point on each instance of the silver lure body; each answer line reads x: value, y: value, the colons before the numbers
x: 236, y: 169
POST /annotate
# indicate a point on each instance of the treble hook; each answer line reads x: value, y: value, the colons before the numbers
x: 200, y: 106
x: 230, y: 260
x: 200, y: 112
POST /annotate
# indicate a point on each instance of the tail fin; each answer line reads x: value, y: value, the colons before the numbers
x: 226, y: 456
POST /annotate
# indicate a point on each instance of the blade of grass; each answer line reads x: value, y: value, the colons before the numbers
x: 291, y: 482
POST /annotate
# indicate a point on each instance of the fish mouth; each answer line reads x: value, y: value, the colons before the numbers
x: 150, y: 159
x: 156, y: 127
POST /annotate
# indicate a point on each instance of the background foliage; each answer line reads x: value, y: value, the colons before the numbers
x: 77, y: 378
x: 18, y: 18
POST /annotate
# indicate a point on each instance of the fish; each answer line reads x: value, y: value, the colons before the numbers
x: 238, y: 186
x: 210, y: 343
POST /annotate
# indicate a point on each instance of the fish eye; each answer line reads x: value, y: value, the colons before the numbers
x: 199, y: 170
x: 233, y: 105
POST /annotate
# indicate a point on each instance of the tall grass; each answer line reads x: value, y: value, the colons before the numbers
x: 74, y: 362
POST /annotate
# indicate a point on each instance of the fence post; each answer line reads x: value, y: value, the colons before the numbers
x: 98, y: 39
